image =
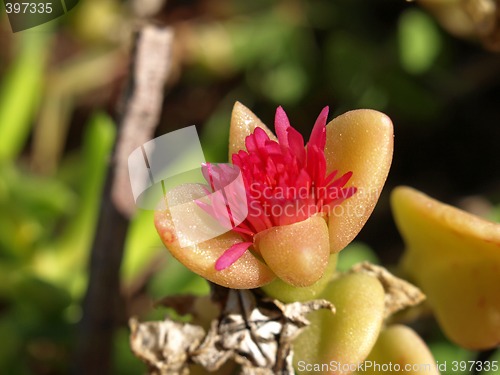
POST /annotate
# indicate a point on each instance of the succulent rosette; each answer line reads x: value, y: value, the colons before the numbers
x: 306, y: 201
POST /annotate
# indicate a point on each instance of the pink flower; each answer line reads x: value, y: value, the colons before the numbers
x: 285, y: 182
x: 304, y: 202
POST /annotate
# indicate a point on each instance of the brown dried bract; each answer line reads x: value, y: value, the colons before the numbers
x: 165, y: 346
x: 254, y: 332
x: 485, y: 16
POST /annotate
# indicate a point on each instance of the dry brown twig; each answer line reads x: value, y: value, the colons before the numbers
x: 142, y: 105
x: 140, y: 113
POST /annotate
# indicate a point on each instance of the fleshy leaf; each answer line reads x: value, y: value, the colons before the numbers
x: 297, y: 253
x: 347, y: 337
x: 399, y: 347
x: 360, y: 141
x: 454, y: 257
x: 287, y: 293
x: 243, y: 123
x: 246, y: 273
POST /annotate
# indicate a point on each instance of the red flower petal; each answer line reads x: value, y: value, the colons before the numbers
x: 318, y: 134
x: 285, y: 182
x: 231, y: 255
x: 281, y: 124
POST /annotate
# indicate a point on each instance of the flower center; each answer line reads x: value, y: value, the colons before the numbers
x: 285, y: 181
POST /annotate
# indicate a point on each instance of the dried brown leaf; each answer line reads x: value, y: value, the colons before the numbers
x: 254, y: 332
x: 165, y: 346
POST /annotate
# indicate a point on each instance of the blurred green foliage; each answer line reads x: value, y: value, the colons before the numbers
x: 356, y: 252
x: 419, y: 41
x: 56, y: 85
x: 446, y: 353
x: 20, y: 92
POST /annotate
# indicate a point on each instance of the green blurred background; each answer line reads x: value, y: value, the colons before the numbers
x: 59, y: 88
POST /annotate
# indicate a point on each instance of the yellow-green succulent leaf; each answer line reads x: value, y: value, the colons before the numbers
x: 454, y: 257
x: 246, y: 273
x: 360, y: 141
x: 348, y: 336
x: 243, y: 123
x: 399, y: 350
x: 287, y: 293
x: 297, y: 253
